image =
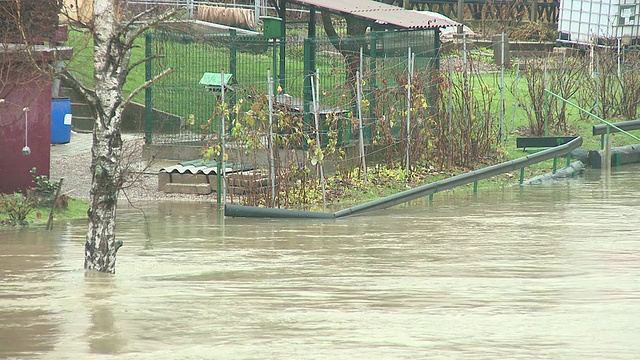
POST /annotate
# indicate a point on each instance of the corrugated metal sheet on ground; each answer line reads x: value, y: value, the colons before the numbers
x: 206, y: 168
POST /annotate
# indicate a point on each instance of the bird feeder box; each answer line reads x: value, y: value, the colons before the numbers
x: 271, y: 27
x: 214, y: 81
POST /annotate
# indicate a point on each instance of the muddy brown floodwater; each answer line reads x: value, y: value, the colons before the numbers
x: 542, y: 272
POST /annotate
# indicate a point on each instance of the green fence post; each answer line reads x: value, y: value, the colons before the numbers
x: 308, y: 72
x: 148, y: 121
x: 555, y: 164
x: 233, y: 64
x: 430, y: 199
x: 283, y: 50
x: 521, y: 176
x: 275, y: 66
x: 568, y: 159
x: 475, y: 187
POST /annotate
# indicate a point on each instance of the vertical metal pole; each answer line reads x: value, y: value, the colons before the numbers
x: 315, y: 92
x: 450, y: 106
x: 272, y: 172
x: 534, y: 11
x: 555, y: 165
x: 545, y: 106
x: 460, y: 15
x: 465, y: 80
x: 282, y: 44
x: 606, y: 158
x: 408, y: 137
x: 591, y: 58
x: 501, y: 134
x: 306, y: 85
x: 190, y: 9
x: 372, y: 72
x: 361, y: 68
x: 475, y: 187
x: 223, y: 135
x: 521, y: 176
x: 148, y: 104
x: 275, y: 62
x: 515, y: 96
x: 233, y: 62
x: 619, y: 59
x: 362, y: 157
x: 256, y: 10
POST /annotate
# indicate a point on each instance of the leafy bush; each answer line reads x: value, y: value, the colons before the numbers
x: 43, y: 183
x: 44, y: 192
x: 17, y: 207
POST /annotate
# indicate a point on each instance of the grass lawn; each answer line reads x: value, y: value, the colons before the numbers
x: 76, y: 210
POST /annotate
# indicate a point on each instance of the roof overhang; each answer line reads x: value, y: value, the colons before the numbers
x: 379, y: 13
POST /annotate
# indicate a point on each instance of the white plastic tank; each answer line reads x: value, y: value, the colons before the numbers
x: 594, y: 22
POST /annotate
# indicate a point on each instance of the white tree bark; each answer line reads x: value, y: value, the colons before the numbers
x: 113, y: 39
x: 110, y: 62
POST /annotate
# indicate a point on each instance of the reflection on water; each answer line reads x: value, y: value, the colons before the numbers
x: 540, y: 272
x: 103, y: 335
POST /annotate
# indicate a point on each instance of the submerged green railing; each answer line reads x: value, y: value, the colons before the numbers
x: 411, y: 194
x: 609, y: 125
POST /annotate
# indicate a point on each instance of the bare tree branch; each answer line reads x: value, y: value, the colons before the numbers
x: 145, y: 85
x: 142, y: 61
x: 133, y: 33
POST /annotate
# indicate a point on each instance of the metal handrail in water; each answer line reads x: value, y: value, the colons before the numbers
x: 411, y: 194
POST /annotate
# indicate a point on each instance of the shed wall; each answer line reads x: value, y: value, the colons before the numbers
x: 22, y: 89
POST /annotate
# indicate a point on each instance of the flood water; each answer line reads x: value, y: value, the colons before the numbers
x: 549, y: 271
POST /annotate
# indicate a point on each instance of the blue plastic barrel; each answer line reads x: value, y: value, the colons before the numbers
x: 60, y: 120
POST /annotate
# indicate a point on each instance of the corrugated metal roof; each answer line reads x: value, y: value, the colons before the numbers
x: 381, y: 14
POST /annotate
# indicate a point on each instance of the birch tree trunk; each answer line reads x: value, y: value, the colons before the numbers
x: 110, y: 61
x: 112, y: 42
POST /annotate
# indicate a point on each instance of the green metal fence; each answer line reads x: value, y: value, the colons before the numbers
x: 186, y: 112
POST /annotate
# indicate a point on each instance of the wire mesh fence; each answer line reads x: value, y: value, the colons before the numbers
x: 449, y: 111
x: 186, y: 106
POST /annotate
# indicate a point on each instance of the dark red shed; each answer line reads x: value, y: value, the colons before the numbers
x: 25, y: 88
x: 25, y: 118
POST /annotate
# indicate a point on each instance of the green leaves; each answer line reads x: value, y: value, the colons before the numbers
x: 17, y: 207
